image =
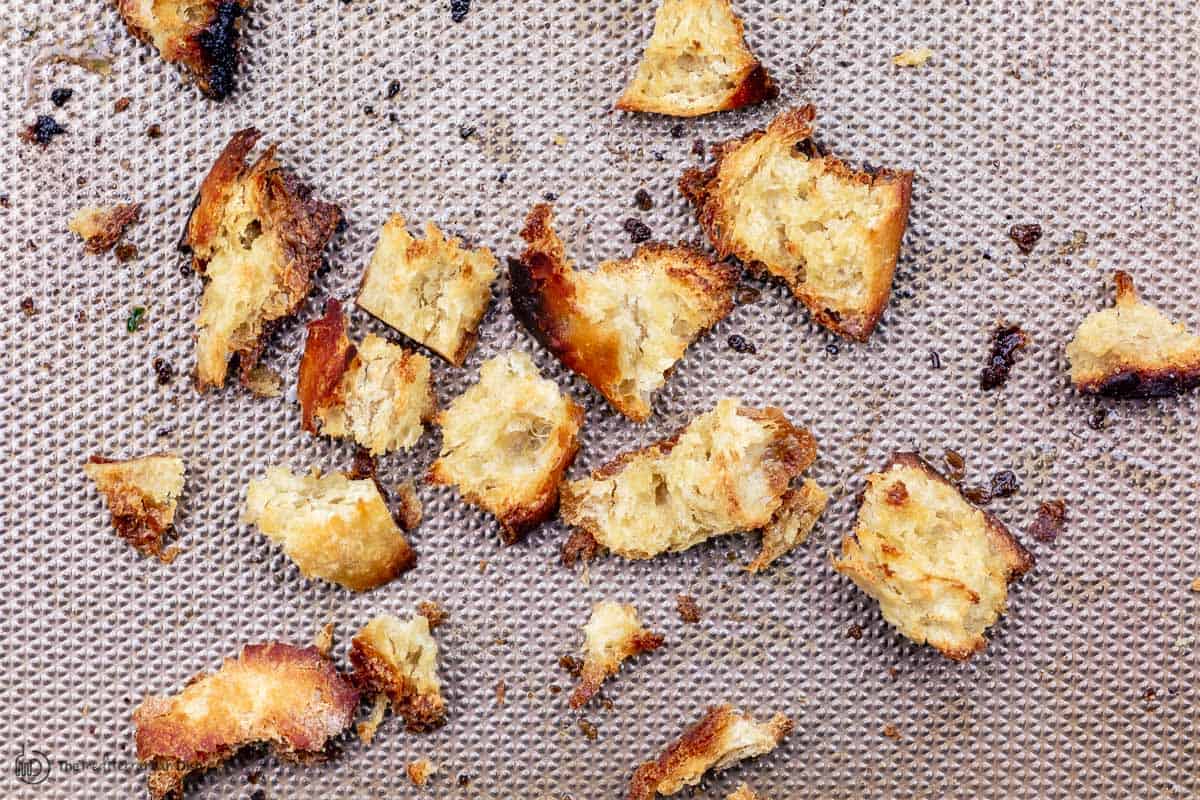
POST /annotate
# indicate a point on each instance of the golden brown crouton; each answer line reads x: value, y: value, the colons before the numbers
x: 625, y: 325
x: 377, y: 394
x: 434, y: 291
x: 291, y: 697
x: 142, y: 494
x: 789, y: 528
x: 743, y: 792
x: 612, y: 634
x: 723, y: 737
x: 697, y: 62
x: 938, y: 566
x: 420, y: 770
x: 334, y: 528
x: 726, y: 472
x: 507, y: 441
x: 832, y: 234
x: 1133, y: 350
x: 101, y: 227
x: 202, y: 35
x: 256, y: 236
x: 399, y: 660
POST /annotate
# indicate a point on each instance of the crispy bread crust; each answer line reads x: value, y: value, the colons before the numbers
x: 327, y: 355
x: 291, y: 697
x: 139, y: 518
x: 376, y: 673
x: 802, y: 506
x: 706, y: 191
x: 202, y: 35
x: 545, y: 300
x: 605, y: 650
x: 101, y: 228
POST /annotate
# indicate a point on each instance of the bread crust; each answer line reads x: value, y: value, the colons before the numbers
x: 880, y: 206
x: 142, y: 495
x: 291, y: 697
x: 802, y: 506
x: 687, y: 33
x: 256, y: 235
x: 613, y: 633
x: 327, y: 355
x: 662, y: 299
x: 202, y: 35
x: 399, y: 660
x: 101, y: 227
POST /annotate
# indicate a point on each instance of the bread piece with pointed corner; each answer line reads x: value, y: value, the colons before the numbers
x: 142, y: 495
x: 802, y: 506
x: 101, y: 227
x: 613, y: 633
x: 399, y: 660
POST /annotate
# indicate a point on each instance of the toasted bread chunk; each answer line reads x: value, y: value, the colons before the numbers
x: 624, y: 325
x: 507, y: 441
x: 377, y: 394
x: 789, y: 528
x: 291, y: 697
x: 726, y: 472
x: 420, y: 771
x: 101, y: 227
x: 722, y: 738
x: 399, y: 660
x: 1133, y: 350
x: 832, y: 234
x: 938, y: 566
x: 697, y: 62
x: 142, y: 495
x: 334, y: 528
x: 256, y: 236
x: 202, y: 35
x: 611, y: 635
x: 434, y: 290
x: 743, y: 792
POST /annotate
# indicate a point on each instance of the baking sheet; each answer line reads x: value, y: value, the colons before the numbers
x: 1080, y: 116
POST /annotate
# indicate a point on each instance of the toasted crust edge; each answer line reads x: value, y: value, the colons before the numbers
x: 373, y: 673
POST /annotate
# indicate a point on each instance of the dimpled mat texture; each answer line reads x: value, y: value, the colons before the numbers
x: 1080, y: 117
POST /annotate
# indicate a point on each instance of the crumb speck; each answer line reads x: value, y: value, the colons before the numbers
x: 1025, y: 236
x: 913, y: 57
x: 688, y: 610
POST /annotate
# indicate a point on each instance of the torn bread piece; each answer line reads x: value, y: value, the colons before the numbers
x: 420, y: 771
x: 801, y: 508
x: 399, y: 660
x: 938, y: 566
x: 142, y: 495
x: 624, y: 325
x: 507, y: 441
x: 722, y: 738
x: 377, y: 394
x: 334, y: 528
x: 832, y: 234
x: 433, y: 290
x: 612, y: 634
x: 291, y: 697
x: 202, y: 35
x: 1133, y: 350
x: 101, y: 227
x: 696, y: 63
x: 726, y: 472
x: 256, y: 237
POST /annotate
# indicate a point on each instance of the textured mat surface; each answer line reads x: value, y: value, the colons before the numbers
x: 1078, y: 116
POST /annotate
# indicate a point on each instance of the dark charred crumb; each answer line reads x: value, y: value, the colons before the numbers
x: 434, y: 613
x: 1026, y: 236
x: 549, y: 197
x: 393, y: 118
x: 43, y: 130
x: 897, y: 494
x: 27, y: 307
x: 854, y: 632
x: 164, y: 373
x: 253, y: 776
x: 501, y: 692
x: 502, y: 177
x: 125, y: 252
x: 741, y: 344
x: 5, y: 201
x: 363, y: 466
x: 154, y: 131
x: 369, y: 110
x: 747, y: 295
x: 572, y: 665
x: 589, y: 730
x: 688, y: 610
x: 832, y: 349
x: 464, y: 780
x: 1005, y: 484
x: 466, y: 131
x: 977, y: 495
x: 677, y: 130
x: 1098, y: 421
x: 218, y: 43
x: 1050, y: 520
x: 579, y: 545
x: 658, y: 155
x: 81, y: 316
x: 642, y: 200
x: 122, y: 104
x: 1006, y: 341
x: 393, y: 89
x: 59, y: 97
x: 638, y: 231
x: 698, y: 148
x: 554, y: 688
x: 258, y: 794
x: 956, y: 466
x: 459, y: 9
x: 935, y: 359
x: 891, y: 732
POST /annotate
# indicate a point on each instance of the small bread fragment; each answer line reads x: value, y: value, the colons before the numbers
x: 101, y: 227
x: 913, y: 57
x: 399, y: 660
x: 291, y: 697
x: 789, y: 528
x: 377, y: 394
x: 624, y: 325
x: 142, y: 495
x: 419, y: 771
x: 256, y: 236
x: 334, y: 528
x: 507, y: 441
x: 831, y: 233
x: 696, y: 63
x: 1133, y: 350
x: 434, y: 290
x: 722, y: 738
x: 938, y: 566
x: 612, y: 634
x: 726, y: 472
x: 743, y: 792
x: 202, y: 35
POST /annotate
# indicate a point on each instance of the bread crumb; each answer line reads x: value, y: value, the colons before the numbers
x: 433, y: 613
x: 891, y: 731
x: 420, y: 770
x: 323, y: 641
x: 689, y: 612
x: 1196, y: 584
x: 501, y: 692
x: 913, y: 57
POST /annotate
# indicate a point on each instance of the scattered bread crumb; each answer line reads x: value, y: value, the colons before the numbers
x: 914, y: 57
x: 432, y: 611
x: 612, y: 634
x: 420, y: 770
x: 323, y: 641
x: 399, y: 659
x: 101, y: 227
x: 142, y: 496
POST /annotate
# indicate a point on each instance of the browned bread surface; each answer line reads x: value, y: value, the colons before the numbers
x: 613, y: 633
x: 399, y: 660
x: 101, y: 227
x: 142, y: 495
